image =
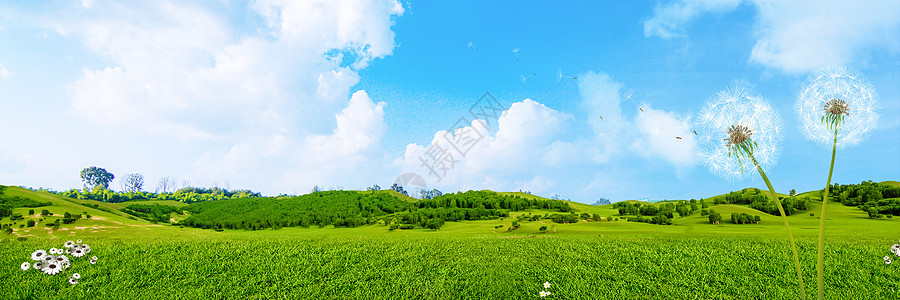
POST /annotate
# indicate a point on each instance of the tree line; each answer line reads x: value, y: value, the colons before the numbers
x: 876, y: 199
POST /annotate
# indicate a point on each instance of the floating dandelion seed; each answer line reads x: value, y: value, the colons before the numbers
x: 628, y: 95
x: 524, y: 78
x: 516, y: 52
x: 560, y: 75
x: 470, y: 46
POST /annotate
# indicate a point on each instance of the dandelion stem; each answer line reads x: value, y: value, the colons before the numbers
x: 820, y: 262
x: 774, y: 197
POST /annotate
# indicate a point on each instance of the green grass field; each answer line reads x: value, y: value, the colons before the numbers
x: 463, y: 260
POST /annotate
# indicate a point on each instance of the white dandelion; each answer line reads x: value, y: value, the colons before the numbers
x: 516, y: 52
x: 38, y: 255
x: 837, y: 107
x: 740, y: 130
x: 25, y: 266
x: 560, y: 75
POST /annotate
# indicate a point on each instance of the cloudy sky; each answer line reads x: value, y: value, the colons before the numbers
x: 279, y: 96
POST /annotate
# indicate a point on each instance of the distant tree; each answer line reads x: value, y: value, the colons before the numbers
x: 793, y: 192
x: 315, y: 189
x: 430, y: 194
x: 398, y: 188
x: 543, y: 228
x: 134, y: 182
x: 31, y: 212
x: 5, y: 210
x: 45, y: 213
x: 30, y: 223
x: 373, y: 188
x: 714, y: 217
x: 94, y: 177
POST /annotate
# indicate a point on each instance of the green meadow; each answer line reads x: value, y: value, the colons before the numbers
x: 605, y: 259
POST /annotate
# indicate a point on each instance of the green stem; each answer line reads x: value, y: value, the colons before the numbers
x: 820, y: 262
x: 774, y: 197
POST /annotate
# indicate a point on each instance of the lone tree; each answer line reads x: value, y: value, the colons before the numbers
x: 95, y: 177
x: 793, y: 193
x: 134, y: 182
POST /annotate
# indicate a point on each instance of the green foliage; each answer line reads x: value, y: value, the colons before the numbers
x: 744, y: 218
x: 714, y: 217
x: 338, y: 208
x: 30, y: 223
x: 543, y: 228
x: 94, y: 177
x: 153, y: 213
x: 759, y: 201
x: 45, y: 213
x: 184, y: 195
x: 874, y: 198
x: 5, y: 210
x: 69, y: 218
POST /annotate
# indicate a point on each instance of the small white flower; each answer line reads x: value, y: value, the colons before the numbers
x: 69, y: 244
x: 887, y: 261
x: 86, y: 248
x: 78, y: 253
x: 52, y: 268
x: 543, y: 294
x: 26, y: 266
x: 546, y: 285
x: 94, y: 258
x: 38, y: 265
x: 49, y: 258
x: 93, y: 262
x: 73, y: 280
x: 38, y: 255
x: 62, y: 259
x: 78, y: 241
x: 76, y: 276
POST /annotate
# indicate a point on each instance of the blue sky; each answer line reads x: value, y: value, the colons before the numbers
x: 279, y: 96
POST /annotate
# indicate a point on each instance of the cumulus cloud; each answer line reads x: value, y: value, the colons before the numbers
x: 796, y: 36
x: 666, y: 135
x: 273, y: 102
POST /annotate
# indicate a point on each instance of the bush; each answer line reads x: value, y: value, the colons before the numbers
x: 543, y: 228
x: 30, y: 223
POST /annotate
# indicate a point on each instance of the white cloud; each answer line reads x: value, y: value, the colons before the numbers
x: 666, y: 135
x: 797, y: 36
x: 5, y: 73
x: 669, y: 19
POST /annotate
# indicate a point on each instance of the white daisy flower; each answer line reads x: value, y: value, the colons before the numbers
x: 78, y: 241
x: 38, y: 255
x: 887, y: 261
x: 76, y: 276
x: 69, y: 251
x: 86, y: 248
x: 94, y: 258
x: 546, y: 285
x: 52, y: 268
x: 69, y: 244
x: 543, y: 294
x: 38, y: 265
x: 62, y: 259
x: 73, y: 280
x: 78, y: 253
x: 93, y: 261
x: 49, y: 258
x: 26, y: 266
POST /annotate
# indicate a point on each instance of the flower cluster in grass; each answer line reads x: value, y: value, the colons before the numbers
x: 895, y: 250
x: 545, y: 293
x: 57, y: 260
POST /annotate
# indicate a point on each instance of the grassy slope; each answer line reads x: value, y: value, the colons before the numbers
x: 463, y: 259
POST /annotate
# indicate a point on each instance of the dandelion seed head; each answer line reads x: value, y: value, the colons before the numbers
x: 837, y: 98
x: 736, y: 118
